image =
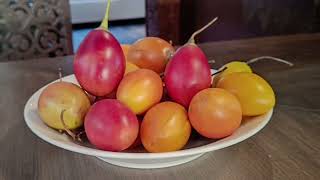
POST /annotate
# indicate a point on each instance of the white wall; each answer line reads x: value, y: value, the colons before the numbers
x: 84, y: 11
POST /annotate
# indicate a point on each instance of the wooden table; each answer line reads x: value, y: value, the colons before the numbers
x: 287, y: 148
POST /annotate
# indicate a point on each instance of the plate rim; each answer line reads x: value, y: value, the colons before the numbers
x: 127, y: 155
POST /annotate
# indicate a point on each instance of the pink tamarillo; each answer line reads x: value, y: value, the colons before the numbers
x: 99, y: 63
x: 188, y: 72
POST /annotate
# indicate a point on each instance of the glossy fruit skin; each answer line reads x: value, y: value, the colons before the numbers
x: 215, y: 113
x: 140, y: 90
x: 137, y: 142
x: 99, y: 63
x: 125, y: 48
x: 187, y: 73
x: 150, y: 53
x: 111, y: 126
x: 130, y: 67
x: 165, y: 128
x: 254, y: 93
x: 61, y: 96
x: 232, y: 67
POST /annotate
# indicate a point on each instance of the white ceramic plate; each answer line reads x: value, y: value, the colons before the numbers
x: 138, y: 158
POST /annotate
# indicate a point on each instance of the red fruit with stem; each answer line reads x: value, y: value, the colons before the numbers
x: 188, y: 72
x: 99, y: 63
x: 111, y: 126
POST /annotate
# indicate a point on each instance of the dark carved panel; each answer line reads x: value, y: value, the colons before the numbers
x: 34, y: 28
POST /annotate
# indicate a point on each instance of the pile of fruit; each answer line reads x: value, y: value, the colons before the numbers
x: 148, y: 92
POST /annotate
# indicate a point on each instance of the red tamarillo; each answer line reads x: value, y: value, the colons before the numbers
x: 188, y: 72
x: 99, y: 63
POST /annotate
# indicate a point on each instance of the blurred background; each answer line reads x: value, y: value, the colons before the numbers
x: 48, y: 28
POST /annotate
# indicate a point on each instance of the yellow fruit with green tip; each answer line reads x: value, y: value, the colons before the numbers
x: 232, y: 67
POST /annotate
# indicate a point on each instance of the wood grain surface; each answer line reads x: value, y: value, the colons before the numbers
x: 287, y: 148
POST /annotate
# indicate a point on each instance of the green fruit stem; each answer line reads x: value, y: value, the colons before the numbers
x: 191, y: 40
x: 105, y: 22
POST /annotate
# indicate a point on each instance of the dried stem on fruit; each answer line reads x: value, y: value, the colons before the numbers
x: 211, y: 61
x: 191, y: 40
x: 60, y: 74
x: 69, y: 132
x: 270, y: 58
x: 220, y: 71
